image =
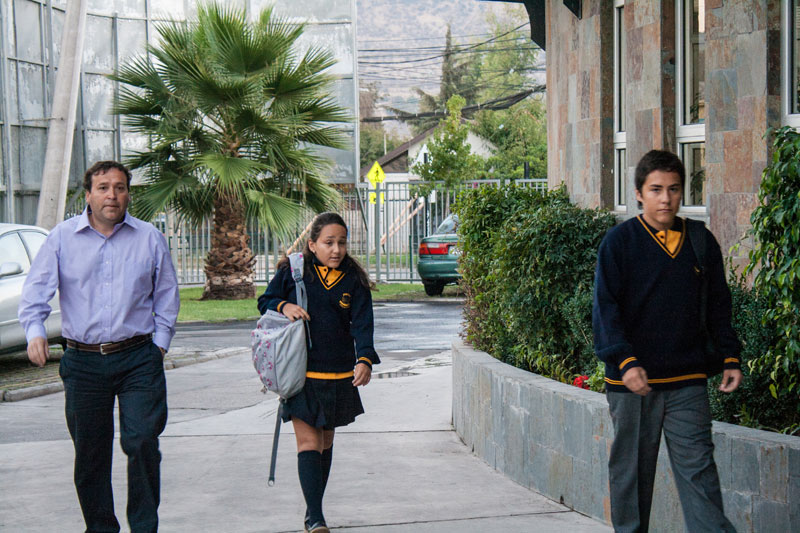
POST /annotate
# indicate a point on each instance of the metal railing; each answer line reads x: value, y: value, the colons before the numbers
x: 385, y: 227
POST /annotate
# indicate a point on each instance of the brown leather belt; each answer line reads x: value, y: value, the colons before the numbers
x: 108, y: 348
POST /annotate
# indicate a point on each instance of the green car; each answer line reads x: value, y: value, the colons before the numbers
x: 438, y: 257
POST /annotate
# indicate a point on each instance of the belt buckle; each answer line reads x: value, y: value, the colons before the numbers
x: 103, y: 346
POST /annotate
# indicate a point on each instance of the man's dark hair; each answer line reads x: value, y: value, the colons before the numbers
x: 658, y: 160
x: 101, y: 167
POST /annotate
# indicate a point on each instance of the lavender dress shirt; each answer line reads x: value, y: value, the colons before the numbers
x: 110, y: 288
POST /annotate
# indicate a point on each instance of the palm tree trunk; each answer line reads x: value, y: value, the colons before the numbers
x: 229, y: 263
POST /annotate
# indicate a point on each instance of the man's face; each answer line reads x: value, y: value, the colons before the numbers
x: 661, y: 198
x: 109, y: 197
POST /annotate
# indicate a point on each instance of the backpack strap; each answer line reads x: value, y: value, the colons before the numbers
x: 696, y: 233
x: 296, y: 266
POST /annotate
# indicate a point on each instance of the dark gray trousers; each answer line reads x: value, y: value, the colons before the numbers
x: 685, y: 417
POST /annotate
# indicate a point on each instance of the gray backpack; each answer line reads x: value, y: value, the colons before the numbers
x: 280, y: 346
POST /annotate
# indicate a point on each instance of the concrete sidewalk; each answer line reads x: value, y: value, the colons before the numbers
x: 398, y: 468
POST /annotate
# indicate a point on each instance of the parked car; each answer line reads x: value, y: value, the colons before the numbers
x: 18, y: 246
x: 438, y: 257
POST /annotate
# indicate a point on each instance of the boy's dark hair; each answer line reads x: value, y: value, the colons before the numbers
x: 322, y: 220
x: 101, y: 167
x: 658, y: 160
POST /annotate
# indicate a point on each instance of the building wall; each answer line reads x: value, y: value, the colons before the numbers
x: 117, y: 30
x: 742, y: 98
x: 579, y: 95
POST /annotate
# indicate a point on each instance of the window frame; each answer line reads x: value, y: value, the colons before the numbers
x: 620, y: 137
x: 787, y: 72
x: 685, y: 133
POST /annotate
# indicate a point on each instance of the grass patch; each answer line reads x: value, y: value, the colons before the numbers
x: 194, y: 309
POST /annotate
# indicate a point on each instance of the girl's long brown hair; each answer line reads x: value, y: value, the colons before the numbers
x: 320, y: 221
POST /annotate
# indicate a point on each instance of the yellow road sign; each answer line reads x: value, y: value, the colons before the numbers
x: 372, y: 197
x: 376, y: 174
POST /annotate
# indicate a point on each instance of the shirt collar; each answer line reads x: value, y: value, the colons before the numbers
x: 83, y: 221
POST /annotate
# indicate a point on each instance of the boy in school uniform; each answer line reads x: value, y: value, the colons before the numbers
x: 648, y: 331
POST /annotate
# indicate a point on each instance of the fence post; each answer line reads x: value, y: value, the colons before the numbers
x: 377, y: 232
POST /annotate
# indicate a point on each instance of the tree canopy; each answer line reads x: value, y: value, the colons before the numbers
x: 232, y: 113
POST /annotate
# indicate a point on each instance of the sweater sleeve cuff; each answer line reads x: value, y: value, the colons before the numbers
x: 280, y: 305
x: 627, y: 364
x: 732, y: 363
x: 368, y: 355
x: 364, y: 361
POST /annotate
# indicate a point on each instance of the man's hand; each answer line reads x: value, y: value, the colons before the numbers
x: 362, y: 375
x: 38, y: 351
x: 636, y: 380
x: 294, y: 312
x: 731, y: 379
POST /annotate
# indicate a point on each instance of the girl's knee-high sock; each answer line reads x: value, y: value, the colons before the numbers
x: 327, y: 459
x: 309, y: 469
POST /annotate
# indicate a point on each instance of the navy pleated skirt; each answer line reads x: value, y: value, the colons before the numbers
x: 324, y: 403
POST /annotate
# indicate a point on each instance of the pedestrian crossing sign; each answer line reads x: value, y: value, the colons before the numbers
x: 376, y: 174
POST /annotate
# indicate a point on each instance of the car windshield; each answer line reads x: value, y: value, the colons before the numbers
x: 448, y: 225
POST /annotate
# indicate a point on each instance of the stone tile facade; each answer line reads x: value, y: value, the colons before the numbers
x: 742, y: 100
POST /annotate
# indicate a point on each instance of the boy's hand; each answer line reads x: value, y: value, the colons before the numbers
x: 361, y: 375
x: 636, y: 380
x: 731, y: 379
x: 294, y: 312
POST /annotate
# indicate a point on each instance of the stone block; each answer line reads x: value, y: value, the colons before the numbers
x: 739, y: 509
x: 745, y: 476
x: 721, y: 90
x: 723, y: 459
x: 769, y: 515
x: 559, y: 477
x: 793, y: 494
x: 774, y: 473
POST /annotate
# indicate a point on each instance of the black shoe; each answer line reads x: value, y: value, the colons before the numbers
x: 316, y: 527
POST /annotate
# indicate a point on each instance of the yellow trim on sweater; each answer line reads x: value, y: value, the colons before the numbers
x: 626, y: 361
x: 670, y: 241
x: 662, y: 380
x: 324, y: 273
x: 731, y: 360
x: 280, y: 305
x: 329, y: 375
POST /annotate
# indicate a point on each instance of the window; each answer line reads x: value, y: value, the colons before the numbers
x: 694, y: 160
x: 790, y: 48
x: 691, y: 109
x: 620, y: 168
x: 13, y: 251
x: 33, y: 241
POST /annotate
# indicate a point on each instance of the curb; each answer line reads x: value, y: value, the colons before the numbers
x: 180, y: 359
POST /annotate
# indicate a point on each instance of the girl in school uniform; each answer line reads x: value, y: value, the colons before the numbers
x: 341, y: 356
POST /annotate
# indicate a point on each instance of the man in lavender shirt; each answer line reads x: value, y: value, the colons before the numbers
x: 119, y: 302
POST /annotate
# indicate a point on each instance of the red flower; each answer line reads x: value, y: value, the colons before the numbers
x: 581, y: 381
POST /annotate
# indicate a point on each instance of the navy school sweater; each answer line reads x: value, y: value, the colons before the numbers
x: 341, y: 323
x: 646, y: 309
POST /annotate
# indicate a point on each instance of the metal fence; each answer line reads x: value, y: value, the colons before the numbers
x: 385, y: 228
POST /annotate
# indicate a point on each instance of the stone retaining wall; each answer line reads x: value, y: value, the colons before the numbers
x: 554, y: 438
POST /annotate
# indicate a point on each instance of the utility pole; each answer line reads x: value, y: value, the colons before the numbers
x: 60, y: 131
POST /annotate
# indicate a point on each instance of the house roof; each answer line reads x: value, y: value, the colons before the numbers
x: 397, y: 152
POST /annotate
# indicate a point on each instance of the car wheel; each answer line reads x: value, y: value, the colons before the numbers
x: 433, y: 288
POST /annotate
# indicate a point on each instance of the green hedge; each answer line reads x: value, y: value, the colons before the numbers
x: 528, y: 267
x: 528, y: 271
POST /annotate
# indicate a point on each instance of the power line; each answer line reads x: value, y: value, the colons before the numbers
x: 426, y: 38
x: 460, y: 51
x: 433, y: 48
x: 495, y: 104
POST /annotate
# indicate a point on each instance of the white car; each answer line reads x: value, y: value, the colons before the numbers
x: 18, y: 246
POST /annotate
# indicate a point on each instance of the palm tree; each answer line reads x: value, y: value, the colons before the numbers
x: 232, y: 114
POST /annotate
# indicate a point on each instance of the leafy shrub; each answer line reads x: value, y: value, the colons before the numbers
x: 528, y: 267
x: 751, y: 404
